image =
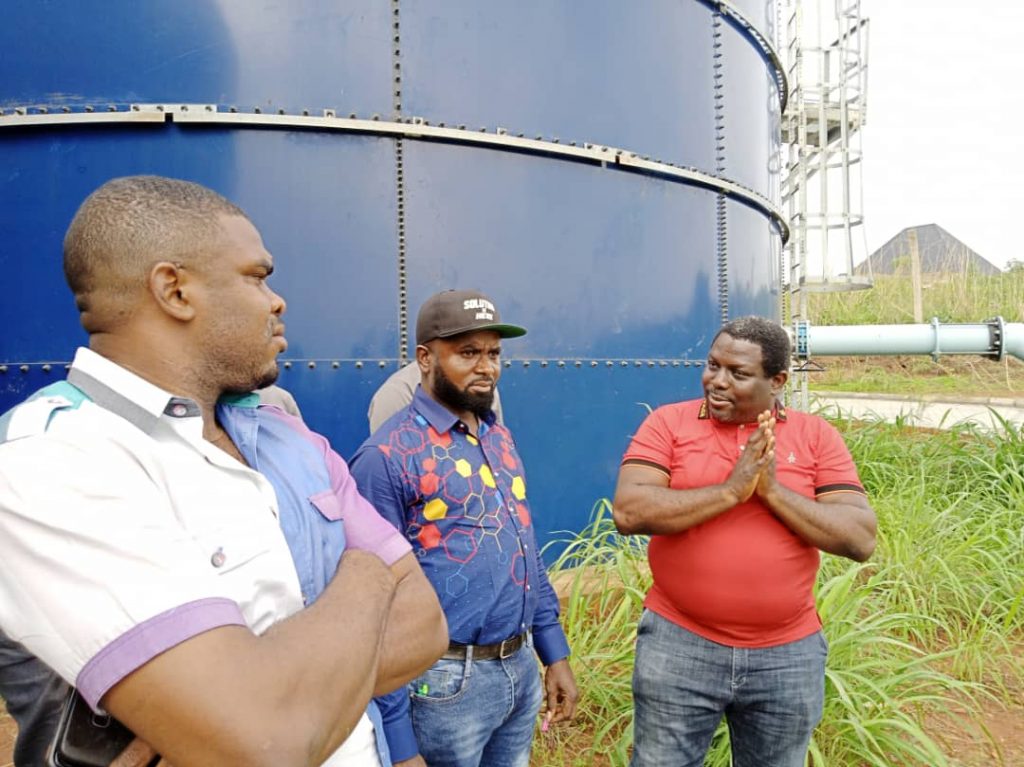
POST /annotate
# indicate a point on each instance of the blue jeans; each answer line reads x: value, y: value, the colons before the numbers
x: 771, y: 697
x: 468, y: 713
x: 35, y: 696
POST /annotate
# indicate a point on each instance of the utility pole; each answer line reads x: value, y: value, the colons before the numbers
x: 915, y: 274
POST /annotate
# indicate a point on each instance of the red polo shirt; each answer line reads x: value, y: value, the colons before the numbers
x: 742, y: 579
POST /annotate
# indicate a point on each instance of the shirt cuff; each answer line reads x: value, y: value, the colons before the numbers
x: 143, y: 642
x: 401, y: 739
x: 550, y: 644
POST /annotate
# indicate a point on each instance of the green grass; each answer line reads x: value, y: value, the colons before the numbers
x: 955, y: 298
x: 952, y: 298
x: 935, y: 619
x: 902, y: 376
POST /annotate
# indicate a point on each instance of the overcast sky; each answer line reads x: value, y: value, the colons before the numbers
x: 944, y: 133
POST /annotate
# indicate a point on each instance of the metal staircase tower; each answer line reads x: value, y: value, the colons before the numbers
x: 826, y: 63
x: 825, y: 54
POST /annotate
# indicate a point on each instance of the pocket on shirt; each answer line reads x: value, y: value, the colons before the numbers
x: 328, y: 504
x: 234, y: 553
x: 445, y: 681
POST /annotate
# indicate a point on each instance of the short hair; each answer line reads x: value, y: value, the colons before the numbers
x: 766, y: 333
x: 129, y: 224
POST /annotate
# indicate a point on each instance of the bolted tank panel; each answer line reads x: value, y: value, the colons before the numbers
x: 631, y: 75
x: 620, y: 201
x: 750, y: 136
x: 336, y: 267
x: 289, y: 55
x: 583, y: 257
x: 761, y: 14
x: 753, y: 269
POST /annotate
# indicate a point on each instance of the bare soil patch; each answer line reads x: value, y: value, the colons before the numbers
x: 7, y: 732
x: 954, y: 376
x: 996, y: 739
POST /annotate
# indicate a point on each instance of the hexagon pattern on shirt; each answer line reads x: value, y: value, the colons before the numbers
x: 470, y: 496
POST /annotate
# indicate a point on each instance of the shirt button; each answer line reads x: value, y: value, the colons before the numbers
x: 179, y: 410
x: 219, y: 558
x: 527, y: 586
x: 525, y: 547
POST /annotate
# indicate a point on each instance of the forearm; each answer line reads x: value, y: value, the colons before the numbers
x: 396, y: 716
x: 416, y: 633
x: 549, y: 639
x: 843, y: 529
x: 654, y: 510
x: 335, y: 651
x: 289, y: 697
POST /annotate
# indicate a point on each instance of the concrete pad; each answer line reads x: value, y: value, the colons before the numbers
x: 930, y: 413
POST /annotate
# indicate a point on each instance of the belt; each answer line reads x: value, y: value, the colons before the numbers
x: 499, y: 650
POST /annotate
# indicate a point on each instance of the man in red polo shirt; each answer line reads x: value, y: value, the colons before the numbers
x: 738, y: 495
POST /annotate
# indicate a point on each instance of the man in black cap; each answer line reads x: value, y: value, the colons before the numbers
x: 447, y: 475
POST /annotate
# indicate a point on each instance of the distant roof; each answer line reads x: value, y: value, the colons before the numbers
x: 940, y: 252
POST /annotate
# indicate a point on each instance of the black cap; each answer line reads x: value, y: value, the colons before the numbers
x: 453, y: 312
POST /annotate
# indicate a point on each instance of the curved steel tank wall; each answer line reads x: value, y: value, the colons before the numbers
x: 608, y: 175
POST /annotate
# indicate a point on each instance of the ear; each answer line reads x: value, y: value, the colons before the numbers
x: 170, y: 287
x: 779, y: 381
x: 424, y: 358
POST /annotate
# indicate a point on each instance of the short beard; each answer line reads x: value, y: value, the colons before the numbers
x: 458, y: 400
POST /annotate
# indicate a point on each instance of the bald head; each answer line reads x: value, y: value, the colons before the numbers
x: 123, y: 229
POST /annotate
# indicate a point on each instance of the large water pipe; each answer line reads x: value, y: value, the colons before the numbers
x: 992, y: 338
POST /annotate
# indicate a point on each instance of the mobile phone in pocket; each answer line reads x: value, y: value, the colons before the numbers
x: 85, y: 738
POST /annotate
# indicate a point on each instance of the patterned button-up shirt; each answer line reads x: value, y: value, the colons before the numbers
x: 461, y: 501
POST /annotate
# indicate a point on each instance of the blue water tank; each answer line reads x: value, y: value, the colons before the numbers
x: 607, y: 172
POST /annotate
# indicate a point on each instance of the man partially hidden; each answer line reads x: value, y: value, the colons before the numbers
x: 448, y: 476
x: 739, y: 495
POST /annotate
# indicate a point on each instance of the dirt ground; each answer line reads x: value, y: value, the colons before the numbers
x: 951, y: 376
x: 968, y: 745
x: 7, y: 733
x: 965, y: 742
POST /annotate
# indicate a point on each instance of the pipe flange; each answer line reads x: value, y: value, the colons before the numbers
x: 996, y: 338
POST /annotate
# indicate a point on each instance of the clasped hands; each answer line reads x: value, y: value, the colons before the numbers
x: 755, y: 469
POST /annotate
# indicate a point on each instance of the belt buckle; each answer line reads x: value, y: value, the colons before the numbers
x: 502, y: 654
